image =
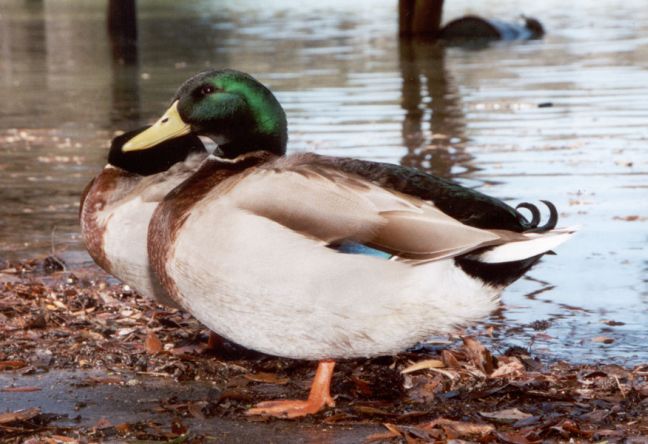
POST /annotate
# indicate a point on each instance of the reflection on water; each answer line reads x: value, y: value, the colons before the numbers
x: 429, y: 93
x: 351, y: 88
x: 125, y: 100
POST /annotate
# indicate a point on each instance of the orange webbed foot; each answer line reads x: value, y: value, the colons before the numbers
x: 318, y: 399
x: 288, y: 408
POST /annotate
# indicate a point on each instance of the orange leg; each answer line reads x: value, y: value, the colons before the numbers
x: 319, y: 397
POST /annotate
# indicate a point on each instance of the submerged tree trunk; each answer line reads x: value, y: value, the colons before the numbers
x: 405, y: 16
x: 419, y: 17
x: 122, y: 19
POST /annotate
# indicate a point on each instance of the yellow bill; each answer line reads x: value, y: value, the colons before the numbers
x: 169, y: 126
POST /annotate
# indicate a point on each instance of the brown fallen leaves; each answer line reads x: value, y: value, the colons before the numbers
x: 10, y: 418
x: 24, y: 389
x: 477, y: 354
x: 85, y: 320
x: 153, y: 344
x: 22, y: 423
x: 267, y: 378
x: 506, y: 416
x: 515, y: 399
x: 12, y: 365
x: 437, y: 430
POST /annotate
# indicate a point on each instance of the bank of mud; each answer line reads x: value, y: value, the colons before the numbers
x: 82, y: 357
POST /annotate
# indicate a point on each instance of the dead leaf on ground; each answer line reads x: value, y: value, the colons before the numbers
x: 193, y: 349
x: 20, y: 415
x: 512, y: 438
x: 512, y: 368
x: 460, y: 428
x: 450, y: 360
x: 392, y: 432
x: 93, y: 380
x: 21, y: 389
x: 373, y: 411
x: 506, y: 416
x: 362, y: 386
x: 12, y: 365
x: 103, y: 423
x: 423, y: 365
x: 178, y: 428
x: 61, y: 438
x: 479, y: 355
x: 124, y: 427
x: 196, y: 409
x: 267, y: 378
x: 153, y: 344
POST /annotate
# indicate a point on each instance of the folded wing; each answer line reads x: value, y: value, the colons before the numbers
x: 331, y: 206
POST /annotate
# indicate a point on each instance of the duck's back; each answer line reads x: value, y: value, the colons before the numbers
x: 467, y: 205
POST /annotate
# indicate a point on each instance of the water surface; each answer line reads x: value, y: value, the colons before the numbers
x: 350, y: 87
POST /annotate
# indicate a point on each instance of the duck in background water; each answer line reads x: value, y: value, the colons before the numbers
x: 423, y: 19
x: 321, y: 258
x: 473, y: 27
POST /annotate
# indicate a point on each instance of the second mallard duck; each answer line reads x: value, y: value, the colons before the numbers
x: 315, y: 257
x: 118, y: 203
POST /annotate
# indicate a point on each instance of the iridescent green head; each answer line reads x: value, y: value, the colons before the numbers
x: 231, y: 107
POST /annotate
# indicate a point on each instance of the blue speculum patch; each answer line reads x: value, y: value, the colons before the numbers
x: 357, y: 248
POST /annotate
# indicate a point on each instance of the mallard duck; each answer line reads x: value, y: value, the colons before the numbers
x: 321, y: 258
x: 472, y: 27
x: 118, y: 203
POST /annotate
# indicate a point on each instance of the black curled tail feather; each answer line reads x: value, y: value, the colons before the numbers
x: 535, y: 217
x: 535, y: 213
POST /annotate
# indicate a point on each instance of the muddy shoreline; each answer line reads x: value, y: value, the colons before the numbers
x: 82, y: 357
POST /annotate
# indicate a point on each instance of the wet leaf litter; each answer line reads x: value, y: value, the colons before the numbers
x: 105, y: 341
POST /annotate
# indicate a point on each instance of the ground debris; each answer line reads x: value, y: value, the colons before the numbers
x: 506, y: 416
x: 10, y: 418
x: 54, y: 320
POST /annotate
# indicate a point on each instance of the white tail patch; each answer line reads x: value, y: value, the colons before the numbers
x: 536, y: 243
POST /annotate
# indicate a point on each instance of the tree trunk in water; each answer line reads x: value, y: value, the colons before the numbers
x: 405, y: 16
x: 122, y: 19
x: 419, y: 17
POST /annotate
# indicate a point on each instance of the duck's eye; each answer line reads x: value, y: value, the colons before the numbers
x: 207, y: 89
